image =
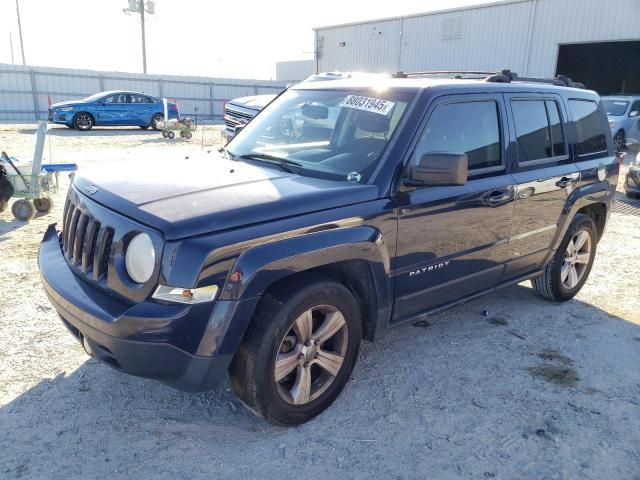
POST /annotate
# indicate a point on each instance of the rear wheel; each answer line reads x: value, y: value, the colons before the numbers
x: 171, y: 134
x: 155, y: 121
x: 23, y: 210
x: 299, y: 351
x: 83, y: 121
x: 570, y: 266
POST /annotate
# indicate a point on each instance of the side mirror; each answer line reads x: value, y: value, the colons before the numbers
x: 635, y: 113
x: 439, y: 169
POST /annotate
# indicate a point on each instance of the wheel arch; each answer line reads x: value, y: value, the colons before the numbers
x: 93, y: 117
x: 598, y: 213
x: 355, y: 257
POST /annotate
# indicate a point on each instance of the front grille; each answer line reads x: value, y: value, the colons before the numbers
x: 86, y: 243
x: 240, y: 116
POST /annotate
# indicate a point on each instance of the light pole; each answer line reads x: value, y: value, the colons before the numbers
x: 141, y: 6
x: 24, y: 62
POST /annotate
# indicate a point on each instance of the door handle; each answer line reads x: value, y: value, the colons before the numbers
x: 564, y: 182
x: 497, y: 196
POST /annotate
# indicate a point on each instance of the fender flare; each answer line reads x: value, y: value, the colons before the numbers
x: 259, y: 267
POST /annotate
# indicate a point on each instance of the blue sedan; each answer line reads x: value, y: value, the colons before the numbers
x: 113, y: 108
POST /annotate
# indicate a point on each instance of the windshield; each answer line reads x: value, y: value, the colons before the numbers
x: 615, y: 108
x: 94, y: 97
x: 335, y: 134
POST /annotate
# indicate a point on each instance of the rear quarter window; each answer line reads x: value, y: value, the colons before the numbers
x: 589, y: 127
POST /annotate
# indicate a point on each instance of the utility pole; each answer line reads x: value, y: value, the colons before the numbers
x: 141, y: 6
x: 24, y: 62
x: 144, y: 42
x: 11, y: 46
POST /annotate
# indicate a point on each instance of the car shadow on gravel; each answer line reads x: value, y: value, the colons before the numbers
x: 94, y: 132
x: 480, y: 386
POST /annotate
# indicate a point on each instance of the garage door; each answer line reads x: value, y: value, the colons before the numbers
x: 606, y: 67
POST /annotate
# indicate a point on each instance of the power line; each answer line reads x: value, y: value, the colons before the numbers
x: 24, y: 62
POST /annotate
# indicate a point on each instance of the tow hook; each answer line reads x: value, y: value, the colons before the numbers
x: 86, y: 346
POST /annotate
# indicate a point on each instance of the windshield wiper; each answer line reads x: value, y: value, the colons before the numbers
x: 283, y: 163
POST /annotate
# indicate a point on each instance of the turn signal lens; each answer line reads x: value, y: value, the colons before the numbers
x: 186, y: 295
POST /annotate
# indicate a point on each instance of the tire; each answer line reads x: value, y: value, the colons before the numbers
x: 144, y: 127
x: 43, y: 205
x: 551, y: 284
x: 171, y: 135
x: 181, y: 134
x: 23, y: 210
x: 165, y: 134
x: 154, y: 121
x: 274, y: 331
x: 83, y: 121
x: 619, y: 141
x: 188, y: 135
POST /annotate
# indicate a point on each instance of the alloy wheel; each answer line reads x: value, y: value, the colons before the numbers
x: 311, y: 354
x: 83, y: 121
x: 576, y: 259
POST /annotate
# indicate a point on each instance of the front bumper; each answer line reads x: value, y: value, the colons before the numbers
x: 61, y: 117
x: 137, y: 338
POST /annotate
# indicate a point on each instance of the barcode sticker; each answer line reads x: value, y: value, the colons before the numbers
x: 368, y: 104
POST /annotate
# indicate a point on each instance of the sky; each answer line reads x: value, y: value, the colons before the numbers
x: 232, y: 39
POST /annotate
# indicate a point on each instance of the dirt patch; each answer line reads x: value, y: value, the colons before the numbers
x: 498, y: 321
x: 567, y: 377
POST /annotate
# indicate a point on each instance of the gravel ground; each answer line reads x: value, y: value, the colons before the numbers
x: 533, y: 390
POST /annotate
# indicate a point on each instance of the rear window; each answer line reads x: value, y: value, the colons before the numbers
x: 615, y: 108
x: 470, y: 127
x: 538, y: 129
x: 589, y: 127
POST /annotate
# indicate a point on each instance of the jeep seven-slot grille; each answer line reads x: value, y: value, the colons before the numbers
x: 85, y: 242
x: 233, y: 117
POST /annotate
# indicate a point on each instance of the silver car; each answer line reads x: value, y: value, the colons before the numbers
x: 623, y: 111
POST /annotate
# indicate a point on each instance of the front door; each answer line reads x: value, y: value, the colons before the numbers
x: 113, y: 110
x: 545, y: 176
x: 453, y: 240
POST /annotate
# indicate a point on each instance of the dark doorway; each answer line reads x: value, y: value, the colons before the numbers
x: 606, y: 67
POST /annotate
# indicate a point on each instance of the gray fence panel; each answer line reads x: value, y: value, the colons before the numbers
x: 25, y: 92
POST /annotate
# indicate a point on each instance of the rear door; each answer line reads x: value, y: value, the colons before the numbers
x: 141, y: 109
x: 545, y: 176
x: 453, y: 240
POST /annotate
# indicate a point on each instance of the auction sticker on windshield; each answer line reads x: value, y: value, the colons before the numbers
x: 368, y: 104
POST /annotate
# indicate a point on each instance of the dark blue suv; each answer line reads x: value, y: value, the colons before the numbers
x: 341, y: 210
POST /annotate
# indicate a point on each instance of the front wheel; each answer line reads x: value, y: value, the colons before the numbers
x: 299, y: 351
x: 23, y: 210
x: 83, y: 121
x: 570, y: 266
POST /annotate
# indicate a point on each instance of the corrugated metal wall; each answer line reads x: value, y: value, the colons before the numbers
x: 522, y: 35
x: 295, y: 70
x: 26, y: 90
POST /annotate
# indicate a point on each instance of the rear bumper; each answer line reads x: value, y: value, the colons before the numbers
x: 137, y: 338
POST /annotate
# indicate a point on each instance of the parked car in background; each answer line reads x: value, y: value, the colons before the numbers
x: 632, y: 179
x: 112, y: 108
x: 239, y: 111
x: 623, y: 111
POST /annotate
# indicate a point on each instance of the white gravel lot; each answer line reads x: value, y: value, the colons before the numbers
x: 534, y: 390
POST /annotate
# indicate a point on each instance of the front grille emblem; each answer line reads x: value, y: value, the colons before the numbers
x: 91, y: 189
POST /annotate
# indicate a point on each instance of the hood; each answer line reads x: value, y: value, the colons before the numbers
x: 255, y: 102
x: 70, y: 103
x: 209, y: 194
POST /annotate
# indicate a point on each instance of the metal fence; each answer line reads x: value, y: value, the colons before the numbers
x: 25, y: 92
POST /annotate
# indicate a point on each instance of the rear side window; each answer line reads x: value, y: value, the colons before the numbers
x: 589, y: 127
x: 538, y: 129
x: 469, y: 127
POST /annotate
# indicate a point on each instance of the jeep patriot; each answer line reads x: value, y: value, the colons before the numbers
x: 342, y: 210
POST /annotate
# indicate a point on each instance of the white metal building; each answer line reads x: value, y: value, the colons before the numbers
x: 596, y: 42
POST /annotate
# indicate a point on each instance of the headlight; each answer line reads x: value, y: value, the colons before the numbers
x: 612, y: 123
x: 140, y: 258
x: 65, y: 109
x: 186, y: 295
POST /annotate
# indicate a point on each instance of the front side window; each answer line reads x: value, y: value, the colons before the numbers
x: 466, y: 127
x: 589, y: 127
x: 336, y: 134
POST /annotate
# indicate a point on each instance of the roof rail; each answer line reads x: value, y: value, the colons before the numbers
x: 507, y: 76
x: 458, y: 73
